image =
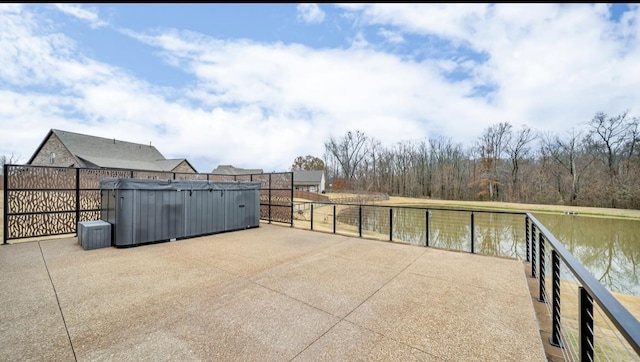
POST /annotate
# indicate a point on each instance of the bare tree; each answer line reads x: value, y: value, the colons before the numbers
x: 349, y: 151
x: 424, y: 169
x: 403, y: 166
x: 502, y: 165
x: 8, y: 160
x: 566, y: 153
x: 609, y: 136
x: 612, y: 140
x: 491, y: 146
x: 517, y: 147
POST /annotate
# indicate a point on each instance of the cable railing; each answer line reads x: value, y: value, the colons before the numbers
x: 595, y: 326
x: 589, y: 325
x: 489, y: 232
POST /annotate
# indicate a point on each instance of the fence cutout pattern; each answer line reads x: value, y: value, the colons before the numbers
x: 46, y: 201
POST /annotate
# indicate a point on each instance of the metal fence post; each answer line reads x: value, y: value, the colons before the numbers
x: 526, y: 236
x: 334, y: 218
x: 291, y: 199
x: 472, y: 232
x: 586, y: 325
x: 533, y: 250
x: 77, y: 199
x: 390, y: 224
x: 269, y: 198
x: 426, y: 227
x: 5, y: 191
x: 312, y: 216
x: 131, y: 174
x: 360, y: 220
x: 554, y: 340
x: 542, y: 287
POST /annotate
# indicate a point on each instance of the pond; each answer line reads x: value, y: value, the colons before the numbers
x: 608, y: 247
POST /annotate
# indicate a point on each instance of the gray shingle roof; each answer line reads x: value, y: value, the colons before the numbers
x: 230, y: 170
x: 307, y: 177
x: 111, y: 153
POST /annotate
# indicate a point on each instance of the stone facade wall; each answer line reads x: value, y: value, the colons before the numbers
x: 63, y: 156
x: 184, y: 167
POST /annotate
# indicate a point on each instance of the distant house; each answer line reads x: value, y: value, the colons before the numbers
x: 69, y: 149
x: 312, y: 181
x: 230, y: 170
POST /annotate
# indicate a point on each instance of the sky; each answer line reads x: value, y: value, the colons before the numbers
x: 256, y: 85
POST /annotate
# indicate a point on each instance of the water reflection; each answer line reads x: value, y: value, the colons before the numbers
x: 608, y: 248
x: 494, y: 234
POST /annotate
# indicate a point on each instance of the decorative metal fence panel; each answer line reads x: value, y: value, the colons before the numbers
x: 39, y: 201
x: 45, y: 201
x: 281, y: 197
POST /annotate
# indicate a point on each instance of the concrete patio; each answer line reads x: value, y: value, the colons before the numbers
x: 267, y: 294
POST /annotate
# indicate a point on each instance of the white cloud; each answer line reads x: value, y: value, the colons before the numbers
x: 448, y: 20
x: 553, y: 65
x: 393, y: 37
x: 310, y: 13
x: 262, y: 104
x: 341, y: 89
x: 81, y: 13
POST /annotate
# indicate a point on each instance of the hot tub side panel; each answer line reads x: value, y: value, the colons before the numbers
x: 146, y: 211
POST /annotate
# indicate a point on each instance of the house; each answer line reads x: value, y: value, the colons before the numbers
x: 312, y: 181
x: 69, y: 149
x: 230, y: 170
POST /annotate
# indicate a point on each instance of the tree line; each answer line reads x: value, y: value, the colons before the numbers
x: 596, y: 164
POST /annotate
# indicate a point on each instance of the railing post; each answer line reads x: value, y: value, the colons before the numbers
x: 292, y: 199
x: 390, y: 224
x: 554, y: 340
x: 360, y: 220
x: 426, y: 227
x: 269, y: 198
x: 131, y: 173
x: 77, y: 198
x: 533, y: 250
x: 5, y: 209
x: 472, y: 232
x: 542, y: 287
x: 586, y: 325
x: 334, y: 218
x: 527, y: 236
x: 312, y: 217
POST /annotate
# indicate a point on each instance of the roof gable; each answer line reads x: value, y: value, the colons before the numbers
x: 303, y: 176
x: 46, y: 139
x: 230, y: 170
x: 92, y: 151
x: 86, y: 147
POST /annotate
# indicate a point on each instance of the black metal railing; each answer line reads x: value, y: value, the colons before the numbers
x: 493, y: 233
x: 590, y: 293
x: 44, y: 201
x: 446, y: 228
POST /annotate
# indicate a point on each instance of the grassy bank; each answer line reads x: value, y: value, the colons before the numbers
x: 508, y: 206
